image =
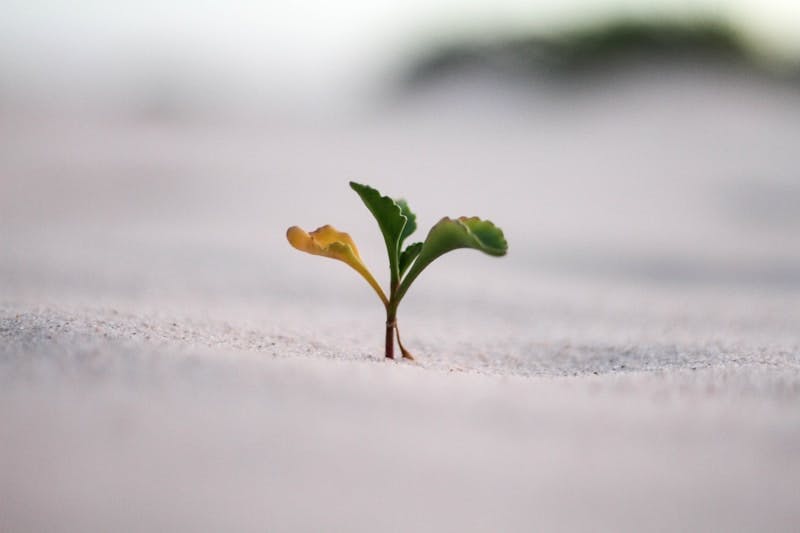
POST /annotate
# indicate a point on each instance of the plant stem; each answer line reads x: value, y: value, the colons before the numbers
x: 390, y: 326
x: 406, y: 353
x: 391, y: 317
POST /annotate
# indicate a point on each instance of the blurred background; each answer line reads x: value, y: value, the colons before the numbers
x: 642, y: 158
x: 160, y: 149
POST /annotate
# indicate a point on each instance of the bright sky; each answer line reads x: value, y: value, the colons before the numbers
x: 301, y: 47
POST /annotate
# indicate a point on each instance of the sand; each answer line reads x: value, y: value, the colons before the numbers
x: 168, y: 363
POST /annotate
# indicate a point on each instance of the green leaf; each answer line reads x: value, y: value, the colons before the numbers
x: 451, y: 234
x: 407, y: 257
x: 411, y: 225
x: 390, y: 219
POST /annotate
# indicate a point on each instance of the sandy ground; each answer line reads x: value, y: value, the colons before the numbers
x: 168, y: 363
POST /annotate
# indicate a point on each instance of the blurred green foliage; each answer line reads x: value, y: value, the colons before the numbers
x: 595, y: 50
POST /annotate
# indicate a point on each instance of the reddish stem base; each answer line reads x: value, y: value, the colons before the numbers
x: 390, y: 339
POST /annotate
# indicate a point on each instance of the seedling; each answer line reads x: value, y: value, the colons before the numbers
x: 397, y: 223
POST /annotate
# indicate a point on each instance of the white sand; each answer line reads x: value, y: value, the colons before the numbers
x: 168, y: 363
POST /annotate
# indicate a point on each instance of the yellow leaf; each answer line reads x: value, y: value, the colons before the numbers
x: 327, y: 241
